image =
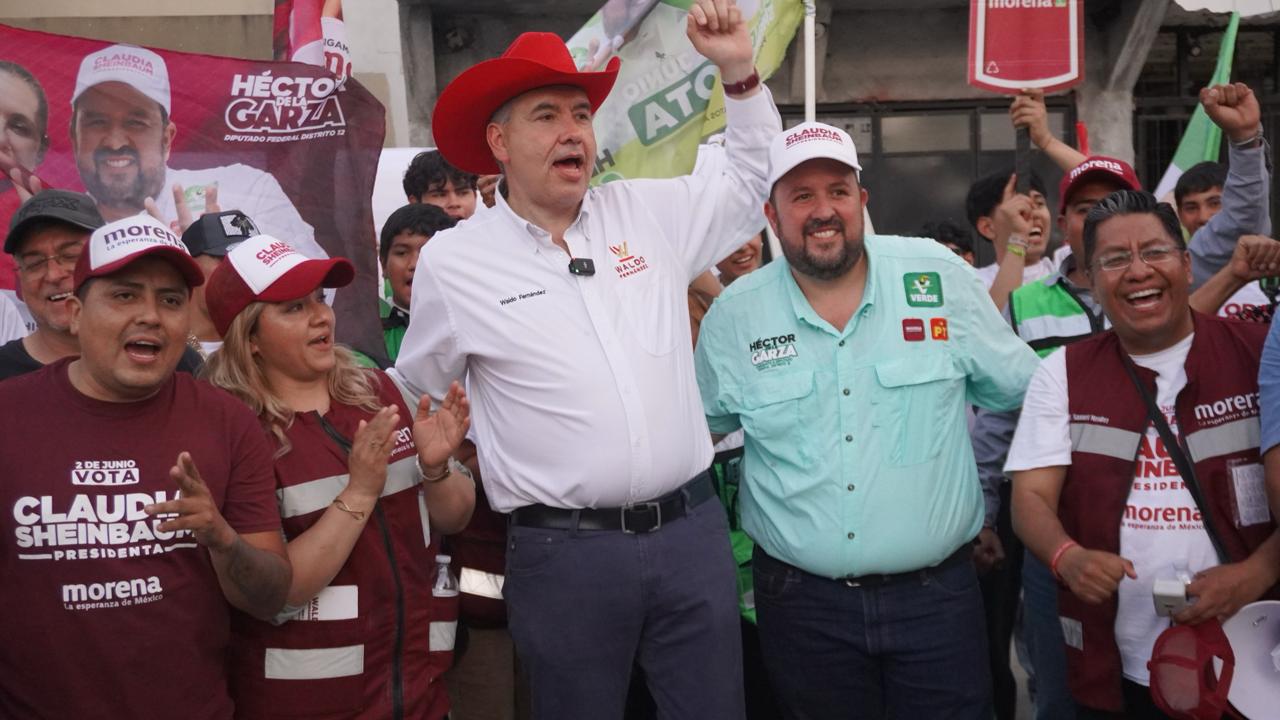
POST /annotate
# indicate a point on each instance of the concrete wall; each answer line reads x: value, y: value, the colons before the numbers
x: 239, y: 28
x: 373, y: 33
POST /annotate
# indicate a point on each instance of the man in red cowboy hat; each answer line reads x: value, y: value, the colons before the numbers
x: 564, y: 307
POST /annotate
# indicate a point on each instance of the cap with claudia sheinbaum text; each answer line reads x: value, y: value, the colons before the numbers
x: 810, y: 141
x: 264, y: 269
x: 137, y: 67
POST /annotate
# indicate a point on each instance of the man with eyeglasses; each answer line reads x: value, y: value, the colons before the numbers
x: 1098, y: 494
x: 46, y: 236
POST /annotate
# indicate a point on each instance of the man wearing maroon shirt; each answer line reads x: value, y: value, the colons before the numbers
x: 137, y: 504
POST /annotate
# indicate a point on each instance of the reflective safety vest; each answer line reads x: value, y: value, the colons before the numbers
x: 374, y: 643
x: 1048, y: 315
x: 1218, y: 423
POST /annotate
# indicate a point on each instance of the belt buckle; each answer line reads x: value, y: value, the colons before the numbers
x: 651, y: 509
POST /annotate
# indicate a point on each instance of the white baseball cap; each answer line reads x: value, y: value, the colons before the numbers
x: 118, y: 244
x: 808, y: 141
x: 139, y: 68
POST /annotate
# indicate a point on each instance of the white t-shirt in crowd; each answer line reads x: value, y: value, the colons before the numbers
x: 1030, y: 273
x: 1249, y: 298
x: 11, y: 325
x: 1161, y: 530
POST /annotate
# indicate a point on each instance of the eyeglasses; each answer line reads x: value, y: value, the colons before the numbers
x: 36, y: 265
x: 1154, y: 255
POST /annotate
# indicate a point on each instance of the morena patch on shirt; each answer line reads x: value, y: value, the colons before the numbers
x: 924, y: 289
x: 767, y: 352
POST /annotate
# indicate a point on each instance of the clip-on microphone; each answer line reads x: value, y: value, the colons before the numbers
x: 582, y: 266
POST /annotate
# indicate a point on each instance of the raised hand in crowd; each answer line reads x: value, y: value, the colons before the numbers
x: 185, y: 216
x: 1234, y: 108
x: 1028, y: 110
x: 487, y: 185
x: 1255, y: 257
x: 367, y: 462
x: 719, y: 33
x: 24, y: 181
x: 1093, y: 575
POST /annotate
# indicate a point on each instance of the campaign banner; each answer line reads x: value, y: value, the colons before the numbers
x: 667, y: 98
x: 1016, y: 44
x: 283, y: 142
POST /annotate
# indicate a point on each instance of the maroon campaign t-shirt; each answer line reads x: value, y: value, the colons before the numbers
x: 101, y: 614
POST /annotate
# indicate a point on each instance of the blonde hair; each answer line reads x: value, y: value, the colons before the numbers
x: 238, y: 370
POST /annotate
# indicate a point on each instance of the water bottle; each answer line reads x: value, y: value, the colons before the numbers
x: 446, y: 584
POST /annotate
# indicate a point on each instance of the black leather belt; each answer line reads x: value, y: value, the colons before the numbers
x: 642, y: 517
x: 960, y: 555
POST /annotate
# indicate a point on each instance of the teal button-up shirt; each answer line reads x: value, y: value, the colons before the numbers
x: 857, y: 456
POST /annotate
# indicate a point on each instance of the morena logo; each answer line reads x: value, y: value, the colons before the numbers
x: 1097, y: 164
x: 143, y: 230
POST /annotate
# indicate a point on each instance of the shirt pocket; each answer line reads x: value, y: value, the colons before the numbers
x: 649, y: 310
x: 773, y: 406
x: 910, y: 398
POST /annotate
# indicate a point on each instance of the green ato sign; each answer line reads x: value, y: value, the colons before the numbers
x: 667, y: 110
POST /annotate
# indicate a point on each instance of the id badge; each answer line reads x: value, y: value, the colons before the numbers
x: 1249, y: 494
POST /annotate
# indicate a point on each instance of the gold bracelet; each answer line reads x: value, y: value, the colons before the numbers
x: 344, y: 507
x: 433, y: 478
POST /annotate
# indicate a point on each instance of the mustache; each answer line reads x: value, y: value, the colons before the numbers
x: 819, y: 224
x: 101, y: 156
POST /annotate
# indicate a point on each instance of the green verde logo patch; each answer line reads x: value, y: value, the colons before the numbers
x: 667, y: 110
x: 924, y: 289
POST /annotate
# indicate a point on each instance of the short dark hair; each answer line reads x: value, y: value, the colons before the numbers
x: 1199, y: 178
x: 429, y: 170
x: 42, y: 102
x: 986, y: 192
x: 947, y: 233
x: 1129, y: 202
x: 416, y: 219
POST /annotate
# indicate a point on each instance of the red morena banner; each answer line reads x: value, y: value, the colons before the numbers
x: 284, y: 142
x: 1016, y: 44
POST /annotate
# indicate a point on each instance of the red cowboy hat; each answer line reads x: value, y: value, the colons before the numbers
x: 534, y: 60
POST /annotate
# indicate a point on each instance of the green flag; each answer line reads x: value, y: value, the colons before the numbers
x: 1202, y: 139
x: 667, y: 98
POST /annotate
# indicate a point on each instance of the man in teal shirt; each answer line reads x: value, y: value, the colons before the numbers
x: 849, y: 367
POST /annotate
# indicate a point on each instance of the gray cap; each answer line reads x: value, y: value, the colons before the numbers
x: 64, y: 206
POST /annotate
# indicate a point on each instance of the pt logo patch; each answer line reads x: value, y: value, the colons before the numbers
x: 912, y: 329
x: 923, y: 289
x: 773, y: 351
x: 938, y: 328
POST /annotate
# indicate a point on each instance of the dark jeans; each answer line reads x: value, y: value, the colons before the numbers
x: 584, y: 606
x: 912, y: 648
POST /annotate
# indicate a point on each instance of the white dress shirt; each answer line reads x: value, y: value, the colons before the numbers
x: 582, y: 387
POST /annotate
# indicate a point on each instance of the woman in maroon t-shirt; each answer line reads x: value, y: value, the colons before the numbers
x: 364, y: 489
